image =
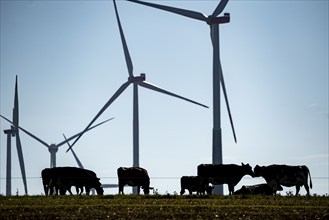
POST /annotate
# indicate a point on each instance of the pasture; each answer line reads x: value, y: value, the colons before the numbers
x: 164, y: 207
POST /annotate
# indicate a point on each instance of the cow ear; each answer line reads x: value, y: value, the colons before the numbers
x: 242, y: 164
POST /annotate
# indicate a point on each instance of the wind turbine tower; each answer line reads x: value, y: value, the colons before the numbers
x: 12, y: 132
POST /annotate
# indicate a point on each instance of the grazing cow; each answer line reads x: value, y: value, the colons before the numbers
x: 195, y: 184
x: 50, y: 182
x: 133, y: 176
x: 230, y: 174
x: 259, y: 189
x: 277, y: 175
x: 62, y: 178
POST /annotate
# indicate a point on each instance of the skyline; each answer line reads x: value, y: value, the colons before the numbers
x: 69, y: 60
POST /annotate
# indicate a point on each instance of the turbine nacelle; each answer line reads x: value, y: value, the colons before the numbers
x: 218, y: 20
x: 133, y: 79
x: 10, y: 131
x: 53, y: 148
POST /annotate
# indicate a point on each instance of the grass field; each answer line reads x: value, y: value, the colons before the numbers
x: 164, y: 207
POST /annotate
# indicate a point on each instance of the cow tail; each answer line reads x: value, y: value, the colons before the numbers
x: 309, y: 173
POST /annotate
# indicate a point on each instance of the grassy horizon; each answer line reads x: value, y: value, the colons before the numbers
x: 164, y: 207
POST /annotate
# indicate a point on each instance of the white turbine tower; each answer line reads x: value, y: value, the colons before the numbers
x: 12, y: 132
x: 52, y: 148
x: 136, y: 81
x: 213, y: 21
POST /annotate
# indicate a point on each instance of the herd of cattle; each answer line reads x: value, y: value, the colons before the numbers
x: 61, y: 179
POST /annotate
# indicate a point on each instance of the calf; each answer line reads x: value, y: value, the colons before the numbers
x: 259, y: 189
x: 195, y: 184
x: 133, y: 176
x: 230, y: 174
x: 277, y: 175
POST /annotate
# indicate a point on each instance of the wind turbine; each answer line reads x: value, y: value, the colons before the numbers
x: 213, y: 21
x: 82, y: 167
x: 53, y: 148
x: 136, y: 81
x: 12, y: 132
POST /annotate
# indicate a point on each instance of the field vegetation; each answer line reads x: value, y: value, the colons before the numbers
x: 164, y: 207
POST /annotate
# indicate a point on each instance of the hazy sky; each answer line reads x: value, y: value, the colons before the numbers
x: 69, y: 61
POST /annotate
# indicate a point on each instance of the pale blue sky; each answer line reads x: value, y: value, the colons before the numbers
x: 69, y: 60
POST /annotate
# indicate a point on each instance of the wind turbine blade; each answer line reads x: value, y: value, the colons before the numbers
x: 21, y: 161
x: 76, y: 135
x: 77, y: 159
x: 25, y: 131
x: 74, y: 155
x: 124, y: 43
x: 220, y: 8
x: 158, y: 89
x: 18, y: 141
x: 116, y: 95
x: 228, y: 106
x: 15, y: 110
x: 184, y: 12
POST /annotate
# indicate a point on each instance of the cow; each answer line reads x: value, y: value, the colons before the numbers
x: 259, y: 189
x: 62, y: 178
x: 50, y: 181
x: 195, y: 184
x: 134, y: 176
x: 285, y: 175
x: 229, y: 174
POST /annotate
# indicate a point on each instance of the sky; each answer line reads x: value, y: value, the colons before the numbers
x: 69, y: 61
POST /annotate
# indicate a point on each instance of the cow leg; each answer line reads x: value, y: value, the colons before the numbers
x: 307, y: 189
x: 81, y: 190
x: 121, y: 189
x: 297, y: 190
x: 182, y: 191
x: 62, y: 191
x: 230, y: 189
x: 88, y: 191
x: 46, y: 189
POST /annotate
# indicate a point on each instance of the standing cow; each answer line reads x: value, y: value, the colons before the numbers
x: 195, y: 184
x: 62, y: 178
x: 229, y: 174
x: 133, y: 176
x: 277, y: 175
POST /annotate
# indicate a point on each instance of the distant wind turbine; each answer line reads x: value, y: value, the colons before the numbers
x: 52, y: 148
x: 12, y: 132
x: 213, y: 21
x: 136, y: 81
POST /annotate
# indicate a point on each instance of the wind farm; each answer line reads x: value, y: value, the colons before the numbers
x: 72, y: 70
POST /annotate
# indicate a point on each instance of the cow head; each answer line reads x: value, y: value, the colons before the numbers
x: 100, y: 190
x: 247, y: 169
x: 98, y: 187
x: 258, y: 171
x: 209, y: 189
x: 146, y: 190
